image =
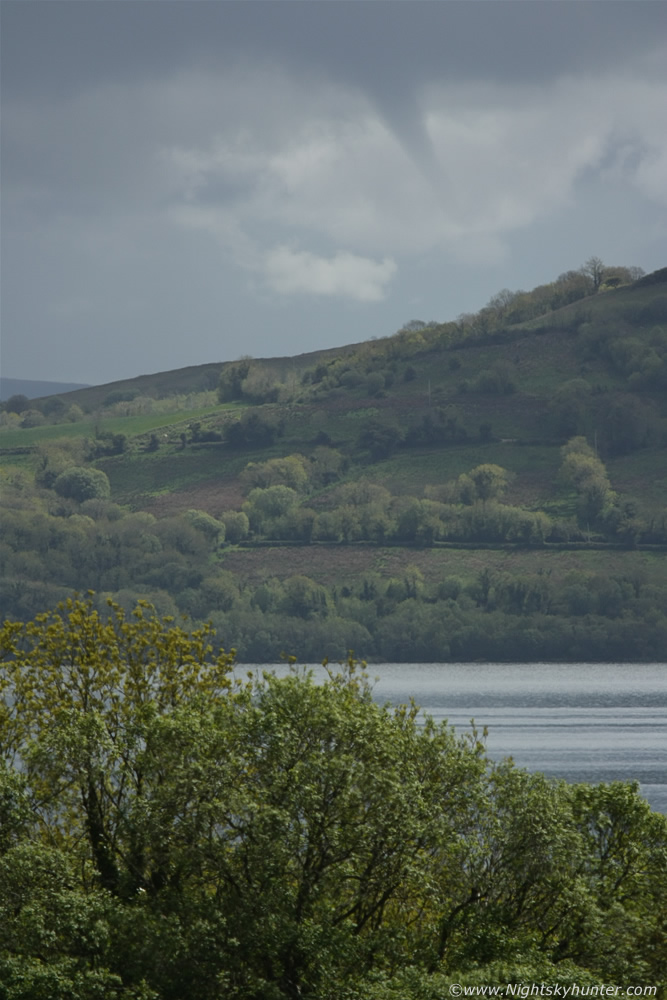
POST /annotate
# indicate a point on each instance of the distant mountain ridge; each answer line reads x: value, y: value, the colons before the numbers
x: 34, y: 389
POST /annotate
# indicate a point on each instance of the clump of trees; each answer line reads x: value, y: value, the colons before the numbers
x: 254, y: 382
x: 80, y: 483
x: 598, y: 505
x: 254, y: 430
x: 468, y: 509
x: 168, y: 832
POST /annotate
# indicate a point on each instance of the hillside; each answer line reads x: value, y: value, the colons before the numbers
x: 309, y: 500
x: 33, y: 389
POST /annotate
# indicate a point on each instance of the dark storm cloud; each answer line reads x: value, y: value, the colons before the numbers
x: 184, y: 182
x: 388, y: 48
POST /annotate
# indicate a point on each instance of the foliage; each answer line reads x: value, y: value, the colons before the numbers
x: 210, y: 527
x: 378, y: 440
x: 291, y: 471
x: 236, y: 525
x: 403, y: 473
x: 485, y: 482
x: 253, y: 430
x: 17, y: 403
x: 231, y: 380
x: 81, y: 484
x: 264, y: 506
x: 167, y: 832
x: 570, y: 408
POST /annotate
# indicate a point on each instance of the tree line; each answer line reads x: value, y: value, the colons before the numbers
x: 71, y: 536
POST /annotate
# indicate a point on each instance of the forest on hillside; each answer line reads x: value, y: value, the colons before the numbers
x: 536, y: 427
x: 178, y: 563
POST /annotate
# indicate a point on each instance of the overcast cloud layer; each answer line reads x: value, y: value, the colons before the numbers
x: 188, y: 182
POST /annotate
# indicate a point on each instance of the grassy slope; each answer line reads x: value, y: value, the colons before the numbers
x: 131, y: 426
x: 541, y: 355
x: 196, y: 378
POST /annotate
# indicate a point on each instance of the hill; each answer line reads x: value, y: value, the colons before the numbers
x: 33, y: 389
x: 488, y: 487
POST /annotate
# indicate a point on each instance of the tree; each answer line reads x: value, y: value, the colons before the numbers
x: 291, y: 471
x: 419, y: 521
x: 627, y: 424
x: 304, y: 598
x: 253, y: 430
x: 572, y: 286
x: 484, y: 482
x: 17, y: 403
x: 219, y: 592
x: 168, y: 832
x: 55, y: 938
x: 79, y: 684
x: 279, y: 820
x: 327, y: 464
x: 211, y: 528
x: 595, y: 270
x: 75, y: 413
x: 32, y: 418
x: 236, y: 525
x: 265, y: 505
x: 231, y: 378
x: 582, y: 469
x: 378, y: 440
x: 259, y: 385
x: 81, y: 484
x: 570, y: 407
x: 375, y: 383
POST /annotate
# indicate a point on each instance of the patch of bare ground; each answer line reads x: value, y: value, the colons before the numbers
x: 213, y: 496
x: 528, y: 489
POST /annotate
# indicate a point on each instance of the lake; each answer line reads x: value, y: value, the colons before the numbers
x: 580, y: 721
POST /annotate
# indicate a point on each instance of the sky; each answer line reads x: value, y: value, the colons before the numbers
x: 192, y: 181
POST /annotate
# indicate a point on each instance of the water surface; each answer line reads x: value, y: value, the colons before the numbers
x: 580, y: 721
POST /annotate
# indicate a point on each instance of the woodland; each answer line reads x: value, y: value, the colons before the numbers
x: 487, y: 488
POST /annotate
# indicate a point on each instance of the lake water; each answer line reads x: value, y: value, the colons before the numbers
x: 580, y: 721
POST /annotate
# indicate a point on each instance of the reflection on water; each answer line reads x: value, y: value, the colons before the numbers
x: 579, y: 721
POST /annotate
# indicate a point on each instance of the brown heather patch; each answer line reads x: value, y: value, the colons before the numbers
x: 213, y: 496
x: 337, y: 565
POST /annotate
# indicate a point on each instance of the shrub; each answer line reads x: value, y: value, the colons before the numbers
x: 82, y: 484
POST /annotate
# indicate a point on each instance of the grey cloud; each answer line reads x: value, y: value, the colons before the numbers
x: 180, y: 178
x: 390, y: 51
x: 392, y: 44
